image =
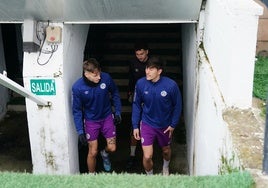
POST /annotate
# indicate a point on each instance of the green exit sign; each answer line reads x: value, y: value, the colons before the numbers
x: 43, y: 86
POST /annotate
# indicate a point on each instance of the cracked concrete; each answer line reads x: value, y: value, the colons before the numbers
x: 247, y: 130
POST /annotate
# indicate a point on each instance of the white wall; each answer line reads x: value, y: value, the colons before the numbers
x: 189, y: 54
x: 218, y: 76
x: 212, y: 140
x: 230, y: 42
x: 52, y: 136
x: 3, y: 90
x: 73, y: 59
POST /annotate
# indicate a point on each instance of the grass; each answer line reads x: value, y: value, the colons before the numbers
x: 260, y: 83
x: 233, y: 180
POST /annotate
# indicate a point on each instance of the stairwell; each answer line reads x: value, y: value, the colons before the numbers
x: 113, y: 46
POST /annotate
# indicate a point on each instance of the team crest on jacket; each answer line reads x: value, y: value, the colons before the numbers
x: 163, y: 93
x: 103, y: 86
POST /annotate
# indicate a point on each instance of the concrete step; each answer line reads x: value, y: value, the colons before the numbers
x: 16, y: 108
x: 16, y: 104
x: 113, y: 46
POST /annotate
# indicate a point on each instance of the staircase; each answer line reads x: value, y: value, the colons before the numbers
x: 113, y: 46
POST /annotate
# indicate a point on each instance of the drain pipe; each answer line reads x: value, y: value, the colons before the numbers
x: 265, y: 149
x: 5, y: 81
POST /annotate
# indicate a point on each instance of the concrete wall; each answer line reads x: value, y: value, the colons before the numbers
x: 230, y: 42
x: 218, y: 73
x: 189, y: 46
x: 212, y: 140
x: 4, y: 97
x: 73, y: 58
x: 52, y: 135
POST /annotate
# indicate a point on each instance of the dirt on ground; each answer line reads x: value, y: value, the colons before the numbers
x: 247, y: 130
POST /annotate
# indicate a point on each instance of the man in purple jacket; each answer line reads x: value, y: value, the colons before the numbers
x: 156, y: 109
x: 94, y: 94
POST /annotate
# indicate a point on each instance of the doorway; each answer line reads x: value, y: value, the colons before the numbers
x: 113, y: 46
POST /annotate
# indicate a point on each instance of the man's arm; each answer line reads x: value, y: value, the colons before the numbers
x: 177, y: 105
x: 77, y: 111
x: 115, y: 97
x: 136, y: 107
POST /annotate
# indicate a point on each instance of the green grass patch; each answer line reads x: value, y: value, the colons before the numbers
x: 260, y: 84
x: 113, y: 180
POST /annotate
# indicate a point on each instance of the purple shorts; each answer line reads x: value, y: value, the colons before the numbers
x: 149, y: 134
x: 105, y: 126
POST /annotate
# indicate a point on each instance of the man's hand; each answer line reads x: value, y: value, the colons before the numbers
x: 136, y: 134
x: 117, y: 120
x: 82, y: 139
x: 170, y: 130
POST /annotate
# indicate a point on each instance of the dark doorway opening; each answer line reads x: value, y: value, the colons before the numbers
x: 113, y: 46
x: 15, y: 152
x: 12, y: 43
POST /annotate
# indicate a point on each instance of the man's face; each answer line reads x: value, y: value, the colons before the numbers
x: 153, y: 74
x: 142, y: 55
x: 93, y: 76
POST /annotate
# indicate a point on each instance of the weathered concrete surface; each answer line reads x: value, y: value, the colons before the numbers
x: 247, y: 130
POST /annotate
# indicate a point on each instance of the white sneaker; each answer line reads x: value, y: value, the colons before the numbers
x: 165, y: 171
x: 149, y: 173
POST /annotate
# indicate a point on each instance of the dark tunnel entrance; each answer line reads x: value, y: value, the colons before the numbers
x: 112, y: 45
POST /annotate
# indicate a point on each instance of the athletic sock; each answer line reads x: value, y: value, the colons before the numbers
x: 104, y: 153
x: 149, y: 172
x: 132, y: 150
x: 165, y: 163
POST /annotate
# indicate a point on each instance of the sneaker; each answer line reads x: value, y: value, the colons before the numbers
x: 106, y: 162
x: 130, y: 162
x: 149, y: 173
x: 165, y: 171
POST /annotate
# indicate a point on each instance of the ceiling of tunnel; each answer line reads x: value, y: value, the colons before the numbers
x: 101, y: 11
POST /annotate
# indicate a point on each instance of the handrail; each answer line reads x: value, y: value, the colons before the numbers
x: 5, y: 81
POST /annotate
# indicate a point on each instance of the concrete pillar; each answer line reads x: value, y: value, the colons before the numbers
x: 50, y: 73
x: 230, y: 37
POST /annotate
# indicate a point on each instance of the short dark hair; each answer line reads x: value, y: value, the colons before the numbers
x: 155, y: 62
x: 140, y: 45
x: 91, y: 65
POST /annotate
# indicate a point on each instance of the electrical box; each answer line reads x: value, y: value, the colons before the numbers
x: 53, y: 34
